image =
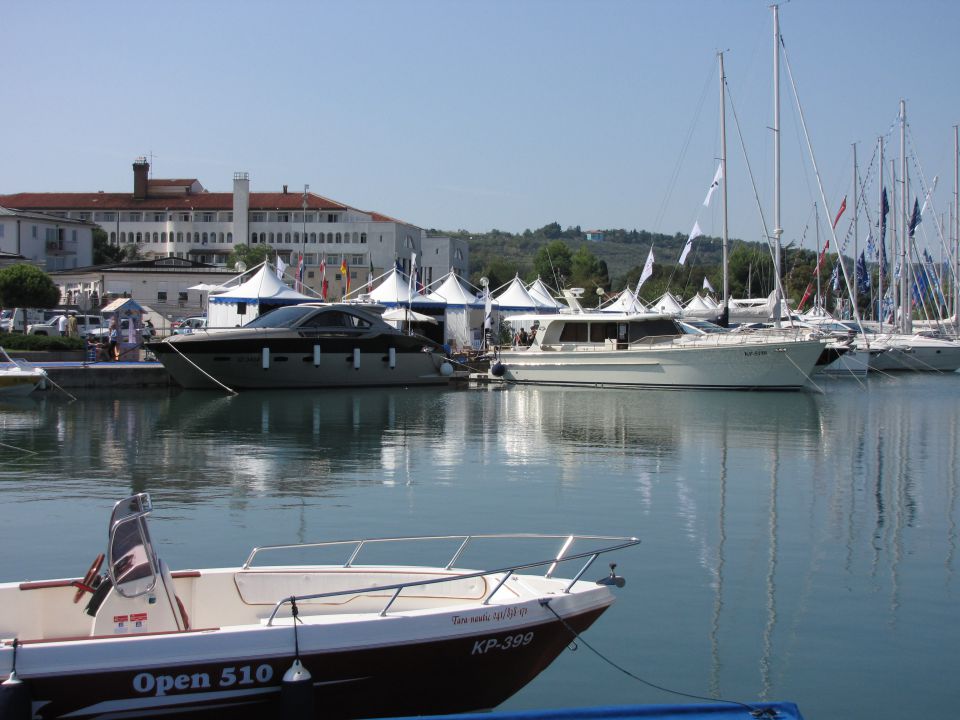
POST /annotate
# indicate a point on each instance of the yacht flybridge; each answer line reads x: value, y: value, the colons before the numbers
x: 376, y: 639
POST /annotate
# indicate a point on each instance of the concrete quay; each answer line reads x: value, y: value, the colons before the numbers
x: 80, y: 375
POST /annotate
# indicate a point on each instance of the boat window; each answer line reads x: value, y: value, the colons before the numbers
x: 653, y: 328
x: 281, y: 317
x: 602, y: 331
x: 336, y: 319
x: 574, y: 332
x: 131, y: 561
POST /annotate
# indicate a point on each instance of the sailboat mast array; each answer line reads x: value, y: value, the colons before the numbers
x: 906, y: 326
x: 881, y: 249
x: 723, y: 169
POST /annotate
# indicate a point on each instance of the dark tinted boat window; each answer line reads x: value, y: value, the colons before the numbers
x: 282, y: 317
x: 653, y: 328
x: 336, y: 319
x: 574, y: 332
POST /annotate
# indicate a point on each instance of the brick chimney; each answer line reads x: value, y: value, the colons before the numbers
x: 141, y: 168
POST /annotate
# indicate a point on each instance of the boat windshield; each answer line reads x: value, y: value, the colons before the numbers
x: 132, y: 565
x: 307, y: 316
x: 282, y: 317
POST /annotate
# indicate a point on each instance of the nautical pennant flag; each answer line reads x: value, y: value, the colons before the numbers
x: 884, y: 209
x: 281, y: 267
x: 413, y: 271
x: 843, y: 207
x: 345, y: 271
x: 299, y: 283
x: 647, y: 272
x: 695, y: 233
x: 370, y: 277
x: 863, y: 277
x: 707, y: 285
x: 324, y: 286
x: 718, y: 176
x: 915, y: 218
x: 835, y: 278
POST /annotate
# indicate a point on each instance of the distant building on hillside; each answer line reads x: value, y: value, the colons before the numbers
x: 179, y: 218
x: 594, y: 235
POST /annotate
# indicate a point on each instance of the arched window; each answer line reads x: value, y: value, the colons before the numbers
x: 287, y: 238
x: 179, y: 237
x: 123, y: 237
x: 196, y: 237
x: 204, y: 238
x: 139, y: 238
x: 113, y: 238
x: 363, y: 238
x: 163, y: 237
x: 329, y: 237
x: 271, y: 238
x: 356, y: 237
x: 339, y: 239
x: 296, y: 237
x: 253, y: 238
x: 156, y: 237
x: 229, y: 237
x: 221, y: 237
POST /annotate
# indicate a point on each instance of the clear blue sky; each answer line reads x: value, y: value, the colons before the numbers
x: 502, y: 114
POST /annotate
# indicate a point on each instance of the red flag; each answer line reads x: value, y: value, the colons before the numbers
x: 323, y: 277
x: 843, y: 206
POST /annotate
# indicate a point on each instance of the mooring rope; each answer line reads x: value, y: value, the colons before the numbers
x: 229, y: 390
x: 754, y: 711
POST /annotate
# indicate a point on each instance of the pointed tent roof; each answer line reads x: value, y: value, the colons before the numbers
x: 541, y: 295
x: 626, y: 302
x: 395, y: 290
x: 667, y: 304
x: 698, y: 303
x: 263, y: 286
x: 516, y: 297
x: 454, y: 292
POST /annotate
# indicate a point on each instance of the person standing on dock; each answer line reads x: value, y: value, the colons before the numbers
x: 62, y: 325
x: 113, y: 338
x: 72, y: 326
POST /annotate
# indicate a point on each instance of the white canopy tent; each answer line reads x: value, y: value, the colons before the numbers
x: 542, y: 296
x: 626, y: 302
x: 515, y: 299
x: 463, y: 313
x: 263, y: 291
x: 666, y: 304
x: 396, y: 291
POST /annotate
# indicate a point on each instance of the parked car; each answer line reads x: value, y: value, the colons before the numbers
x: 188, y: 325
x: 102, y: 333
x: 85, y: 325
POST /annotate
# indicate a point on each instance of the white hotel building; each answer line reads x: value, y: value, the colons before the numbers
x: 180, y: 218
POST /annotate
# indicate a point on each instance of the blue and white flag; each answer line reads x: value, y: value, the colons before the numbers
x: 835, y: 278
x: 647, y: 272
x: 694, y: 234
x: 714, y: 185
x: 863, y: 277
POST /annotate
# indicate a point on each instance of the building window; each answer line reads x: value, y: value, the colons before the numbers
x: 283, y: 217
x: 161, y: 296
x: 156, y: 238
x: 310, y: 218
x: 185, y: 217
x: 339, y: 240
x: 196, y: 237
x: 329, y: 237
x: 230, y: 237
x: 357, y: 260
x: 253, y: 238
x: 363, y: 238
x: 287, y: 238
x: 208, y: 217
x: 313, y: 237
x: 332, y: 217
x: 139, y: 238
x: 258, y: 217
x: 179, y: 237
x: 134, y: 217
x: 204, y: 238
x: 241, y: 308
x: 296, y: 237
x: 182, y: 297
x: 159, y: 217
x: 113, y: 237
x: 228, y: 217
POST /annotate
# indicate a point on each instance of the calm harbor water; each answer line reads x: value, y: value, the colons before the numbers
x: 795, y: 546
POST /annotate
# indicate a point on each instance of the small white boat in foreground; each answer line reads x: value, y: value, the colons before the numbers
x: 18, y: 377
x: 377, y: 639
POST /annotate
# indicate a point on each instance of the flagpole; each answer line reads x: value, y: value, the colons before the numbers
x: 956, y: 228
x: 906, y: 324
x: 723, y: 167
x: 816, y: 224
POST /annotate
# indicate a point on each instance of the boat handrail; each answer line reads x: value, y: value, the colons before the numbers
x: 619, y: 543
x: 662, y: 342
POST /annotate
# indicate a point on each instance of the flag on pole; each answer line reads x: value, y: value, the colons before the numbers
x: 714, y: 185
x: 707, y: 285
x: 843, y: 207
x: 694, y: 234
x: 863, y: 277
x: 281, y: 267
x: 323, y: 277
x: 884, y: 209
x: 345, y: 271
x: 915, y: 218
x: 413, y: 271
x: 647, y: 272
x: 299, y: 286
x: 370, y: 277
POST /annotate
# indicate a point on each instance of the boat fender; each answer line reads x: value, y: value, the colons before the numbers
x: 498, y: 369
x: 446, y: 369
x: 296, y: 693
x: 15, y: 701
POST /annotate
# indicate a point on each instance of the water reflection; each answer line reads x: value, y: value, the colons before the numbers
x: 789, y: 540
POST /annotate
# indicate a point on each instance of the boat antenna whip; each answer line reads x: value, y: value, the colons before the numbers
x: 757, y: 712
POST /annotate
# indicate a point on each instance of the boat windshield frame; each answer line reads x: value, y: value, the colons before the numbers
x: 291, y: 317
x: 132, y: 563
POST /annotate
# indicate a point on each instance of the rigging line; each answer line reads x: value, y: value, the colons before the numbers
x: 756, y: 712
x: 809, y: 379
x: 813, y: 160
x: 658, y: 220
x: 230, y: 390
x: 19, y: 449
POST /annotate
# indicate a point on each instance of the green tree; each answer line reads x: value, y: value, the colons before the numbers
x: 587, y: 271
x: 554, y: 263
x: 132, y: 253
x: 103, y: 251
x: 498, y: 271
x: 26, y: 285
x: 249, y: 255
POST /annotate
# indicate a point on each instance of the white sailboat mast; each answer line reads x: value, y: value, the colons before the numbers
x: 956, y: 227
x: 855, y: 255
x: 881, y: 250
x: 777, y: 230
x: 906, y: 324
x: 723, y: 177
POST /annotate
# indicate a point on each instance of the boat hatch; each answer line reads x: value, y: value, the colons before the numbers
x: 132, y: 561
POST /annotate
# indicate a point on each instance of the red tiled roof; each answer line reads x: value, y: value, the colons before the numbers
x: 126, y: 201
x: 171, y: 183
